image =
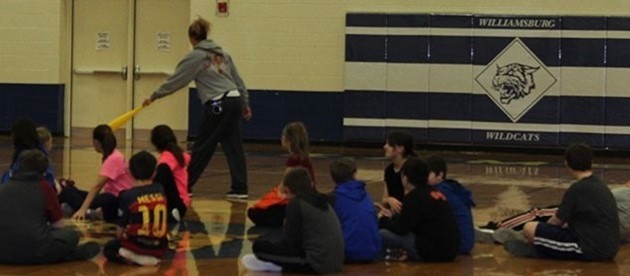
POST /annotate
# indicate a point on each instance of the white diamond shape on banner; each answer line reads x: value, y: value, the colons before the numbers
x: 515, y: 80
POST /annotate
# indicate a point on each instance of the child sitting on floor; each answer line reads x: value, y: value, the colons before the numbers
x: 142, y: 219
x: 113, y: 177
x: 460, y: 199
x: 269, y: 210
x: 355, y: 209
x: 311, y: 238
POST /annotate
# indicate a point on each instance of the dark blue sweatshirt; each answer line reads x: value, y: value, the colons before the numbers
x: 461, y: 202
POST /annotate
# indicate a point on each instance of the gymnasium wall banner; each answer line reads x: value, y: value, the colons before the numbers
x: 505, y: 80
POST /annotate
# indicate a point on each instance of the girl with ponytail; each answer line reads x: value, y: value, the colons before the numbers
x: 112, y: 178
x: 269, y: 210
x: 172, y: 171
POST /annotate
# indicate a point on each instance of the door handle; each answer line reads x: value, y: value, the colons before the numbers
x: 91, y: 71
x: 136, y: 72
x: 123, y: 72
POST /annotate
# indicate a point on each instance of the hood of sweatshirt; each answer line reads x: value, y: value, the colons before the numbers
x: 354, y: 190
x: 316, y: 199
x: 457, y: 189
x: 209, y: 45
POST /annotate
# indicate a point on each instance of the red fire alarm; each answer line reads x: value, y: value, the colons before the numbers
x: 222, y: 7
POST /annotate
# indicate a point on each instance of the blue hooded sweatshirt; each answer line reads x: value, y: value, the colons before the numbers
x: 359, y: 224
x: 49, y: 175
x: 461, y: 202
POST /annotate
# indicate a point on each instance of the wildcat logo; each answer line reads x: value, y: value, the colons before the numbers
x: 514, y: 81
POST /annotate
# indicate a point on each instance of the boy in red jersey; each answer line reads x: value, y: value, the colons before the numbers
x: 142, y: 217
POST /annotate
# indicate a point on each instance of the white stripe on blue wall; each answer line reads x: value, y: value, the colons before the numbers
x: 425, y: 31
x: 448, y: 124
x: 456, y: 78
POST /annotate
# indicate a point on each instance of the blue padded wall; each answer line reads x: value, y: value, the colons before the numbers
x: 42, y: 103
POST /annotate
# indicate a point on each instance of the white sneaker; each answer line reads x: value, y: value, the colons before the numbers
x: 484, y: 235
x: 176, y: 214
x: 236, y: 195
x: 140, y: 259
x: 252, y: 263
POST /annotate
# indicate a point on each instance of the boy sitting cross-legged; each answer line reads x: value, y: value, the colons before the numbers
x: 311, y: 237
x: 142, y: 217
x: 586, y: 225
x: 460, y: 199
x: 356, y: 213
x: 31, y: 218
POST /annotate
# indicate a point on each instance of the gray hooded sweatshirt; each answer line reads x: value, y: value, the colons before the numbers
x: 212, y: 69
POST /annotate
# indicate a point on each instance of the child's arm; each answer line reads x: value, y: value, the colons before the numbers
x: 100, y: 182
x: 385, y: 193
x: 391, y: 202
x: 53, y: 208
x: 58, y: 187
x: 555, y: 221
x: 119, y: 232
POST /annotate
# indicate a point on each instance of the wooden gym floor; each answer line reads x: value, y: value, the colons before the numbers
x: 217, y: 232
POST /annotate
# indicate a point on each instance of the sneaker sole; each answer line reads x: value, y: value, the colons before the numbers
x: 138, y: 259
x: 520, y: 248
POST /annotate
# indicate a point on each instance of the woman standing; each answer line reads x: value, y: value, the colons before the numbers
x: 225, y: 100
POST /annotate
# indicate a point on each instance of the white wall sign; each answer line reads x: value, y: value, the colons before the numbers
x: 164, y: 42
x: 103, y: 41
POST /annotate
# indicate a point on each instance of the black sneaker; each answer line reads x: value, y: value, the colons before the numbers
x: 491, y: 225
x: 85, y: 251
x: 236, y: 195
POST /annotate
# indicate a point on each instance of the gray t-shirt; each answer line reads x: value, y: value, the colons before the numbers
x: 622, y: 196
x: 590, y: 210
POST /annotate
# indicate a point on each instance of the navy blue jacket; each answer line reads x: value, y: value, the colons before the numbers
x: 49, y: 175
x: 359, y: 224
x: 460, y: 199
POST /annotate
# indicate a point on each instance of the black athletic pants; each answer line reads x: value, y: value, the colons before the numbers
x: 224, y: 128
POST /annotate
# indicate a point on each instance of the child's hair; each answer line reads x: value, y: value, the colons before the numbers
x: 297, y: 136
x: 579, y: 157
x: 198, y: 30
x: 24, y: 137
x: 142, y: 165
x: 436, y: 165
x: 44, y: 134
x: 164, y: 139
x: 401, y: 139
x: 343, y: 169
x: 298, y: 180
x: 104, y: 135
x: 416, y: 170
x: 32, y: 160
